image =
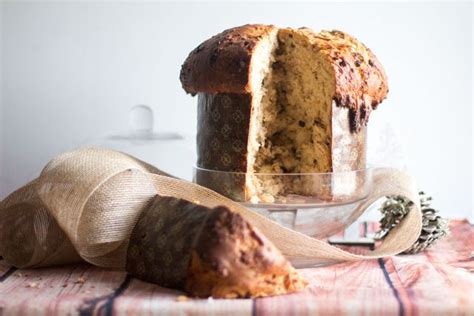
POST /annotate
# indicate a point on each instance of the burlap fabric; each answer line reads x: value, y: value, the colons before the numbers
x: 86, y: 203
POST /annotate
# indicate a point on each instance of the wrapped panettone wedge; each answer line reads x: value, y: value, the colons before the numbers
x: 207, y: 252
x: 282, y: 101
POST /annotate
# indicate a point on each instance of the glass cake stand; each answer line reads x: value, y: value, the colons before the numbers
x: 319, y: 205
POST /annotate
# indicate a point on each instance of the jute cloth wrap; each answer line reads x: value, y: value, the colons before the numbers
x: 85, y: 204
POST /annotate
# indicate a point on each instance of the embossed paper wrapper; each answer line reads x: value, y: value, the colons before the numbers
x: 160, y: 246
x: 86, y: 203
x: 223, y: 121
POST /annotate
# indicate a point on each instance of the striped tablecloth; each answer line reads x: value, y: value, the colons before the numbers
x: 438, y: 282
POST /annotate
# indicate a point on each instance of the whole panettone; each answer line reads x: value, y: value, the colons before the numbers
x: 281, y: 101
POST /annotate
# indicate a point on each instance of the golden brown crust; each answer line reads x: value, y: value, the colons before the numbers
x: 222, y: 63
x: 361, y: 82
x: 232, y: 259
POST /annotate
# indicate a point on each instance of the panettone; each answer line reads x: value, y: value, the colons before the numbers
x: 207, y: 252
x: 281, y: 101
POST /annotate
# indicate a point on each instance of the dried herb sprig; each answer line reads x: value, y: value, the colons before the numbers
x: 434, y: 227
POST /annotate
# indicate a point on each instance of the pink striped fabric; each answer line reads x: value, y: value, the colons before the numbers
x: 439, y: 281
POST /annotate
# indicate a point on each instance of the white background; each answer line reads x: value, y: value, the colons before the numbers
x: 71, y: 71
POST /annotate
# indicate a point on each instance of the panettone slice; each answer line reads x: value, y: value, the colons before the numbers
x: 207, y: 252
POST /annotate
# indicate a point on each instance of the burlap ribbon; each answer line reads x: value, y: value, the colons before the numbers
x: 85, y: 204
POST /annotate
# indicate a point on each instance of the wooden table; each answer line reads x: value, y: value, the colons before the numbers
x: 438, y: 282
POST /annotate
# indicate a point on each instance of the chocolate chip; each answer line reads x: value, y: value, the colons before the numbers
x: 301, y: 123
x: 354, y: 122
x: 357, y: 63
x: 279, y: 51
x: 318, y: 122
x: 374, y: 104
x: 276, y: 134
x: 277, y: 65
x: 342, y: 63
x: 214, y: 56
x: 348, y: 100
x: 371, y: 63
x: 244, y: 257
